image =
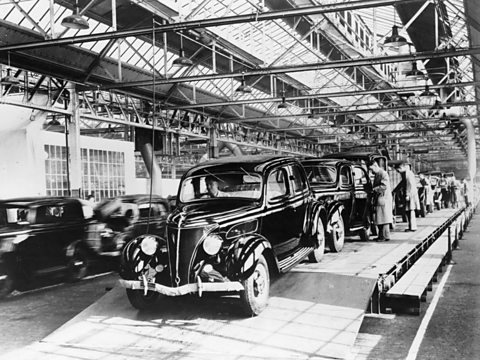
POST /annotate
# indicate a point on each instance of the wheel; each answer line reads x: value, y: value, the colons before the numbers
x: 78, y: 265
x: 254, y: 297
x: 337, y: 237
x: 317, y: 254
x: 141, y: 301
x: 6, y: 285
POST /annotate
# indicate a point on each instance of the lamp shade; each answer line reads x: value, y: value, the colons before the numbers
x: 394, y: 40
x: 244, y: 88
x: 9, y: 79
x: 182, y: 60
x: 75, y: 21
x: 414, y: 73
x: 283, y: 104
x: 428, y: 97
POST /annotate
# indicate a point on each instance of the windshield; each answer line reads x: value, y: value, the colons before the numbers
x: 321, y: 174
x: 232, y: 184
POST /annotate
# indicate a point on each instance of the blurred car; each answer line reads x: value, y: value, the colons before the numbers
x: 263, y: 220
x: 345, y: 189
x: 125, y: 217
x: 42, y: 237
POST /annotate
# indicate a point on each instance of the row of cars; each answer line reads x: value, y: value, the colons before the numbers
x: 270, y: 213
x: 45, y: 237
x: 267, y: 213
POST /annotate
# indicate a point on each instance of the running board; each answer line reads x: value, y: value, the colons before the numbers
x: 287, y: 263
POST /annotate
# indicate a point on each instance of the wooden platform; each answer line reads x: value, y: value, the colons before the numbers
x: 315, y: 312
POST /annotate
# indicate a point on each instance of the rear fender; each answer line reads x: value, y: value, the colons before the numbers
x: 310, y: 228
x: 243, y: 255
x: 333, y: 215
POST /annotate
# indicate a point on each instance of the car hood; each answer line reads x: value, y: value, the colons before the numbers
x: 208, y: 212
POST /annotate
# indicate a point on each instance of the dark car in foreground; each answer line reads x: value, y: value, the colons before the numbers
x: 124, y: 218
x: 345, y: 189
x: 42, y: 237
x: 263, y: 221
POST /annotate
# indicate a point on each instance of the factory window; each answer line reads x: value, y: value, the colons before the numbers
x: 103, y: 173
x: 56, y: 170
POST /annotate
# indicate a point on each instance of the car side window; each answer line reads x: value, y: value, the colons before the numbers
x: 276, y: 184
x: 299, y: 182
x: 360, y: 177
x: 49, y: 214
x: 345, y: 177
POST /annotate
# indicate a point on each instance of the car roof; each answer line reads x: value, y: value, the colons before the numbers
x: 36, y: 200
x: 253, y: 163
x: 313, y: 161
x: 134, y: 198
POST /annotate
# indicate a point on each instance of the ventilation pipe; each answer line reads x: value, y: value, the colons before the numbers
x: 152, y: 167
x: 234, y: 149
x: 471, y: 150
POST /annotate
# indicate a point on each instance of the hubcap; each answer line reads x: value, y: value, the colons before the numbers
x: 258, y: 282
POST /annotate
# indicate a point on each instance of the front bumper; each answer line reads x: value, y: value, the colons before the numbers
x: 198, y: 287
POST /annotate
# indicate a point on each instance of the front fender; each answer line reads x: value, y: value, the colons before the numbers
x: 243, y: 255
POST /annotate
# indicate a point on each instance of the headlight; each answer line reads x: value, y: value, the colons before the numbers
x: 149, y: 245
x: 212, y: 244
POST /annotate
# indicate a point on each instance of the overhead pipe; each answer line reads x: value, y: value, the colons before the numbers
x: 323, y: 96
x: 348, y: 112
x: 363, y: 61
x: 471, y: 150
x: 234, y: 149
x: 153, y: 168
x: 220, y: 21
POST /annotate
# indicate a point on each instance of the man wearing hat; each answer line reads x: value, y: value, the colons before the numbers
x: 412, y: 202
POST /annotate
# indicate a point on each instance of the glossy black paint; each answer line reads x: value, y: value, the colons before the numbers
x: 350, y: 190
x: 38, y: 236
x: 278, y: 224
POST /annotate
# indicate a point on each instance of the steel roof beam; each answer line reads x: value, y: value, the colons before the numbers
x: 410, y: 89
x: 335, y: 64
x: 220, y: 21
x: 349, y: 112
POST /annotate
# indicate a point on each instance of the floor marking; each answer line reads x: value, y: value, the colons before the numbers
x: 413, y: 352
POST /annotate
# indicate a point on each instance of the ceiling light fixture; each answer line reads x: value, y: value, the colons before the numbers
x: 414, y: 73
x: 427, y: 97
x: 9, y: 79
x: 395, y: 40
x: 283, y: 104
x: 182, y: 60
x: 76, y: 20
x: 243, y: 88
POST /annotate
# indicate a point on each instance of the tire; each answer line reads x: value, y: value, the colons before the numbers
x: 140, y: 301
x: 317, y: 254
x: 78, y: 265
x: 254, y: 297
x: 337, y: 237
x: 6, y: 286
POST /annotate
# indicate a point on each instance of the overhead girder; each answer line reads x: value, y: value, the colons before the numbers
x: 405, y: 90
x: 195, y: 24
x: 364, y: 61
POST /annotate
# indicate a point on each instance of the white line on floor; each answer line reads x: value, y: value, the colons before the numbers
x: 413, y: 352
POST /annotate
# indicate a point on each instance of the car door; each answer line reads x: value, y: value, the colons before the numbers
x: 363, y: 191
x: 346, y: 193
x: 276, y: 225
x: 298, y: 200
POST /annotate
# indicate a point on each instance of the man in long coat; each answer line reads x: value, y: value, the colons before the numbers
x: 383, y: 202
x: 412, y: 202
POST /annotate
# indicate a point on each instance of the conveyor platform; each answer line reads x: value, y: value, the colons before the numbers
x: 315, y: 311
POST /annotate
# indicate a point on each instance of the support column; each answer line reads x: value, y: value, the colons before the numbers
x: 72, y: 141
x: 471, y: 151
x: 213, y: 142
